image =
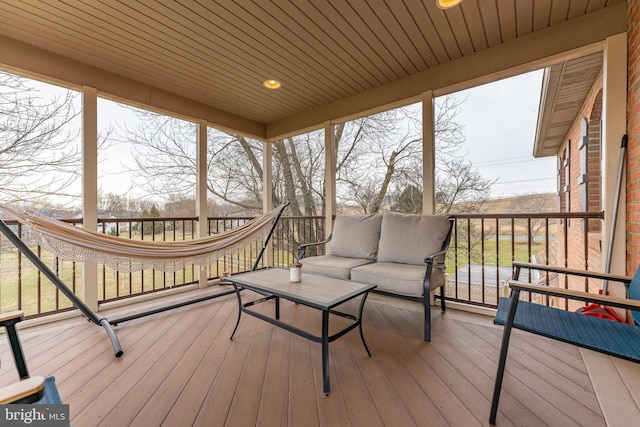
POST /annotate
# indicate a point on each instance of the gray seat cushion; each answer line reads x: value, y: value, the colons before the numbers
x: 332, y: 266
x: 403, y: 279
x: 409, y: 238
x: 356, y: 236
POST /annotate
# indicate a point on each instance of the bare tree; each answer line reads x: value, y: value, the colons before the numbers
x: 38, y: 153
x: 118, y: 205
x: 378, y: 157
x: 164, y: 151
x: 460, y: 187
x: 409, y: 200
x: 112, y: 205
x: 389, y: 162
x: 375, y: 152
x: 530, y: 204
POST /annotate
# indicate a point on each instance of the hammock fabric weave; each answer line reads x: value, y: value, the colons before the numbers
x: 77, y: 244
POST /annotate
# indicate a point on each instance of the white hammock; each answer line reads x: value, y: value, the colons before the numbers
x: 77, y: 244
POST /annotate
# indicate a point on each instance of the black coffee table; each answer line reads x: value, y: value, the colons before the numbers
x: 321, y: 293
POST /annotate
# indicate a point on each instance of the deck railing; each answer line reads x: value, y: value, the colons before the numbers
x: 484, y: 246
x: 479, y: 261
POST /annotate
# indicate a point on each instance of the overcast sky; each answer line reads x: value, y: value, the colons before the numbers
x: 500, y: 125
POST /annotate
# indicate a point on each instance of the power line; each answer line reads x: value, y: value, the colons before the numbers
x: 508, y: 158
x: 524, y: 180
x: 499, y: 163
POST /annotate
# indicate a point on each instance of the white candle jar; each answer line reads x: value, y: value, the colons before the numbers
x: 295, y: 272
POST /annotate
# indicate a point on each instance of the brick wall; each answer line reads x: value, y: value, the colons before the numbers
x: 574, y: 255
x: 595, y: 163
x: 633, y: 131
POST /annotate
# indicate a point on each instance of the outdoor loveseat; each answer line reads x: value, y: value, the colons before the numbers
x: 402, y: 254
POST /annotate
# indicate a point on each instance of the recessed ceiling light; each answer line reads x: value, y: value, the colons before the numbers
x: 446, y: 4
x: 271, y: 84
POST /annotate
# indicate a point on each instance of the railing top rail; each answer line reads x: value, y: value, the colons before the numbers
x: 525, y: 215
x: 189, y: 218
x: 145, y: 218
x: 516, y: 215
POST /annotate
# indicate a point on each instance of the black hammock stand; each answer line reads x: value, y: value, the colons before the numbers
x: 98, y: 319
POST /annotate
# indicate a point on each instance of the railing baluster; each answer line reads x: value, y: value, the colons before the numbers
x: 497, y: 260
x: 586, y: 252
x: 455, y: 257
x: 469, y: 283
x: 566, y: 257
x: 20, y: 271
x: 39, y: 283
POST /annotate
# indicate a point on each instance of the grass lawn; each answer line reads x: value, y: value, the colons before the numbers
x: 496, y: 252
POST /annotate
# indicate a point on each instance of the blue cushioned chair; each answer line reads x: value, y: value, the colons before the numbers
x: 601, y: 335
x: 37, y: 389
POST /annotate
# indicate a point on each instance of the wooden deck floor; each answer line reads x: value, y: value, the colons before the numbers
x: 180, y: 369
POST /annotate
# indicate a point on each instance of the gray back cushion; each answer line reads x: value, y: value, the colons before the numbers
x: 408, y: 238
x: 356, y: 236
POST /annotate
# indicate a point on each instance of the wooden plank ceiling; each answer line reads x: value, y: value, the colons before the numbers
x: 218, y: 52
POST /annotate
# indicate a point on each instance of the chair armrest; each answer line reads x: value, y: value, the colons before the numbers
x: 11, y: 317
x: 26, y: 391
x: 429, y: 259
x: 445, y: 245
x: 624, y: 303
x: 9, y: 321
x: 302, y: 248
x: 570, y: 271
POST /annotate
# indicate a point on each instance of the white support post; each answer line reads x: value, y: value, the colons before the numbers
x: 428, y: 161
x: 329, y: 177
x: 267, y: 194
x: 90, y: 187
x: 201, y: 195
x: 428, y: 155
x: 614, y: 126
